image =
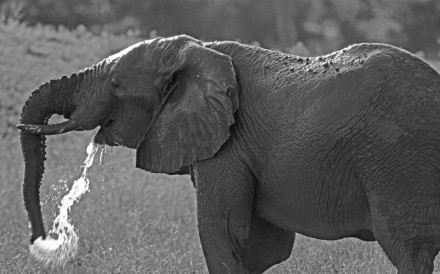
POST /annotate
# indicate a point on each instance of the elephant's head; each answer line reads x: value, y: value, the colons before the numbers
x: 172, y: 99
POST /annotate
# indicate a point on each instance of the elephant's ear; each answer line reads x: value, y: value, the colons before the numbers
x: 194, y: 121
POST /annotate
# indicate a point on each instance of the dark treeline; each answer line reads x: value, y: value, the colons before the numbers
x: 311, y: 26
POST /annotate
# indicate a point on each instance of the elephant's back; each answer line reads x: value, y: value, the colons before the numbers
x: 376, y: 123
x: 388, y: 89
x: 381, y: 117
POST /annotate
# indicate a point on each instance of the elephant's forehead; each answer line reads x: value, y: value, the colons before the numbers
x: 126, y: 50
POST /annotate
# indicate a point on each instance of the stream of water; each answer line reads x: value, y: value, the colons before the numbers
x: 56, y: 252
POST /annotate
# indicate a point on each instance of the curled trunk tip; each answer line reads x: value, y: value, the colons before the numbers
x: 63, y: 127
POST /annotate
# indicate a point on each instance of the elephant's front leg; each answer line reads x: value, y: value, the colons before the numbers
x: 224, y: 209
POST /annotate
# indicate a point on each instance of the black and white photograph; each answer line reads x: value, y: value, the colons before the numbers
x: 220, y: 136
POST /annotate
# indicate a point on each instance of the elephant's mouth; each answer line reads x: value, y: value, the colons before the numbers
x: 113, y: 133
x: 104, y: 136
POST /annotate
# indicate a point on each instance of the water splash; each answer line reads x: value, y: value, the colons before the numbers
x: 56, y: 252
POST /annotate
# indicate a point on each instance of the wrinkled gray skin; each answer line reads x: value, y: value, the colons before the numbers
x: 343, y: 145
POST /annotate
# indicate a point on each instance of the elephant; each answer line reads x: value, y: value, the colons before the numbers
x: 341, y: 145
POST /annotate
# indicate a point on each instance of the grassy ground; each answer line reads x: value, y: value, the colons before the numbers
x: 131, y: 221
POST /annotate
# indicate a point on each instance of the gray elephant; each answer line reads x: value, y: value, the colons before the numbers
x: 342, y: 145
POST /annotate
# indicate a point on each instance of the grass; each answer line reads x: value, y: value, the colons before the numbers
x: 131, y: 221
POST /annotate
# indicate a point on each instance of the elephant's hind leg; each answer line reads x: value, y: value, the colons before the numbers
x: 407, y: 225
x: 403, y: 189
x: 266, y: 245
x: 412, y: 255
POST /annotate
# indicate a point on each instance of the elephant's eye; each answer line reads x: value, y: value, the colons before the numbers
x: 115, y: 83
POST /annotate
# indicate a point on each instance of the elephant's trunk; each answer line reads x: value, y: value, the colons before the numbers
x: 54, y: 97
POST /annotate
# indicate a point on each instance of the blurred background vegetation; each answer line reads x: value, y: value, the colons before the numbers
x: 304, y: 27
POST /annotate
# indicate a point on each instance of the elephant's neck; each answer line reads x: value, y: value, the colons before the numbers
x: 259, y: 80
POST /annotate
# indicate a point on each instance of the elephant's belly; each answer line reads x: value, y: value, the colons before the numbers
x: 316, y: 211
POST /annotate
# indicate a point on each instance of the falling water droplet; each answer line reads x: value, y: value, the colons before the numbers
x: 101, y: 156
